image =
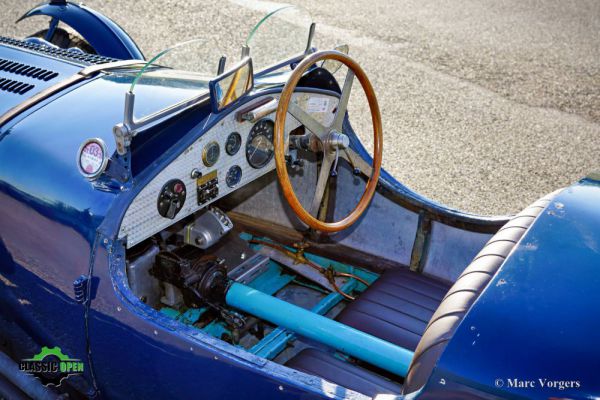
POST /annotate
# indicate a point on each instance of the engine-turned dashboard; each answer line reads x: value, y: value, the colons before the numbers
x: 231, y: 154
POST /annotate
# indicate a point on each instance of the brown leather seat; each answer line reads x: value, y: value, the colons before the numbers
x: 464, y: 292
x: 325, y: 365
x: 397, y: 307
x: 412, y: 310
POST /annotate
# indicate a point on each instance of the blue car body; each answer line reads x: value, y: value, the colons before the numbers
x: 535, y: 320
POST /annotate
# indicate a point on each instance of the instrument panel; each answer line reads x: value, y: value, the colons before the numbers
x: 228, y: 156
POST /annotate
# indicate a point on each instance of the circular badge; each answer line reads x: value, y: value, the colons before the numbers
x: 92, y: 159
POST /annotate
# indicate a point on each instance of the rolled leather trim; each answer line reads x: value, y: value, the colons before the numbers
x: 465, y: 291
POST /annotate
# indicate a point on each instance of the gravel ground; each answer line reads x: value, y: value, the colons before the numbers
x: 487, y: 104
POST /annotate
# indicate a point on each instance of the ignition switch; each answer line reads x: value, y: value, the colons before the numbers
x: 171, y: 198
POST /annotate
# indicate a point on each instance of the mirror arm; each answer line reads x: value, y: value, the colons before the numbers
x: 221, y: 67
x: 311, y: 34
x: 260, y: 112
x: 123, y: 132
x: 245, y: 51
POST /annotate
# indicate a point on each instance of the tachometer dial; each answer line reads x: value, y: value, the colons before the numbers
x: 259, y: 146
x: 210, y: 154
x: 233, y: 143
x: 234, y: 176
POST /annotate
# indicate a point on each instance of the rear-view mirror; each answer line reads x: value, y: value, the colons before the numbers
x: 233, y: 84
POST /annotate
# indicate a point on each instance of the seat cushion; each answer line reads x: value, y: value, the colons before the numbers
x: 348, y: 375
x: 396, y: 308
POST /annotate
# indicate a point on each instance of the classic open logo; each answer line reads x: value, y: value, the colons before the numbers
x: 51, y: 366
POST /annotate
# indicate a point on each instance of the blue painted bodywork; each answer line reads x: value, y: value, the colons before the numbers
x: 103, y: 34
x: 61, y: 69
x: 56, y: 226
x: 537, y: 319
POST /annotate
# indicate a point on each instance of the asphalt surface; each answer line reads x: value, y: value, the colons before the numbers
x: 487, y: 104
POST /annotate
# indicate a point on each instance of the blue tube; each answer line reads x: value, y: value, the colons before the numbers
x: 341, y: 337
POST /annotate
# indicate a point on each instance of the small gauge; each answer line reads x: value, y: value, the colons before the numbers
x: 91, y: 158
x: 234, y: 176
x: 233, y: 143
x: 210, y: 154
x: 259, y: 147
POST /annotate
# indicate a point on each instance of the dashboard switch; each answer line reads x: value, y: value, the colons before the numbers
x: 171, y: 198
x: 207, y: 187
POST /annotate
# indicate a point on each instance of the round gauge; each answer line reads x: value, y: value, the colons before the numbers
x: 210, y: 154
x: 234, y: 176
x: 92, y: 159
x: 233, y: 143
x: 259, y: 146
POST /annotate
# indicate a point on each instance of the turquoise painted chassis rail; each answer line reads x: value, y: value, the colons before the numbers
x: 278, y: 338
x: 341, y: 337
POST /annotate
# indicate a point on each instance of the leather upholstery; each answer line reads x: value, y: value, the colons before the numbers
x: 416, y: 312
x: 465, y: 291
x: 328, y: 367
x: 396, y: 308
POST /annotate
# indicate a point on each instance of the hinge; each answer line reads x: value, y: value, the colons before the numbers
x: 80, y: 287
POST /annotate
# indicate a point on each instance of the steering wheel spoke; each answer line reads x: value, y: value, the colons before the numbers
x: 342, y: 107
x: 318, y: 129
x: 321, y: 184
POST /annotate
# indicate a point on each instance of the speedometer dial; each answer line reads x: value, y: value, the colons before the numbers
x: 259, y: 146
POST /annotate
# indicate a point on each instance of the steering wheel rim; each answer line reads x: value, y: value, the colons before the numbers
x: 325, y: 132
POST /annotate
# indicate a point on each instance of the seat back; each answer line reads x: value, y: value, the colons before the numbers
x: 465, y: 291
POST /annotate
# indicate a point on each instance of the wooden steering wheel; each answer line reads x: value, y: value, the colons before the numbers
x: 332, y: 141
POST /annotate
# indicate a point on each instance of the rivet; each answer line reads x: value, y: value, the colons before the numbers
x: 155, y: 332
x: 119, y: 309
x: 281, y: 388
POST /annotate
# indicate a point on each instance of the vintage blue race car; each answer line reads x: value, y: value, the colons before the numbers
x: 168, y: 233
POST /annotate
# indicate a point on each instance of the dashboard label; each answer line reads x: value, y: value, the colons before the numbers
x: 317, y: 104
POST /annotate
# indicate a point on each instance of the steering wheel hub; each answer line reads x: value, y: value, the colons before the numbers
x: 337, y: 141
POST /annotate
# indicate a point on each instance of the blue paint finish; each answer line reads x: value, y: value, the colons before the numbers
x: 324, y: 330
x: 49, y: 216
x: 275, y: 341
x: 64, y: 69
x: 546, y: 299
x: 102, y: 33
x: 188, y: 317
x: 49, y: 213
x: 173, y: 360
x: 217, y: 329
x: 272, y: 280
x: 170, y: 312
